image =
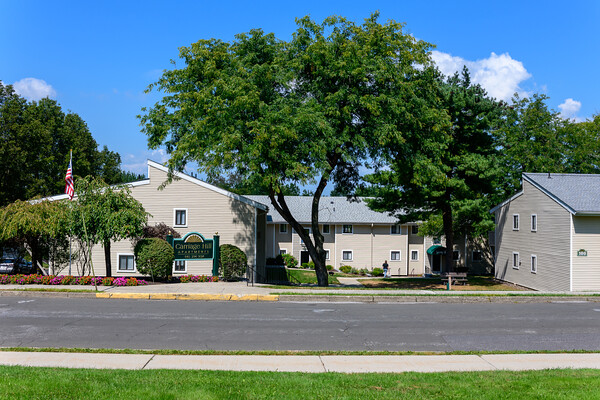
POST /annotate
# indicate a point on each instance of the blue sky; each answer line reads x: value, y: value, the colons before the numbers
x: 96, y: 58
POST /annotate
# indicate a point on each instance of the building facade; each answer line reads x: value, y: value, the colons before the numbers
x: 548, y: 235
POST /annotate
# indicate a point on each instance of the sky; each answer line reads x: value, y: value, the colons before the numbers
x: 96, y: 58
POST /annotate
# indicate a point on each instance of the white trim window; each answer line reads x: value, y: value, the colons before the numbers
x: 283, y: 228
x: 347, y: 255
x: 347, y: 229
x: 533, y: 222
x: 326, y: 229
x: 327, y: 257
x: 125, y: 263
x: 180, y: 218
x: 395, y: 255
x: 515, y: 222
x: 180, y: 266
x: 533, y: 264
x: 395, y: 229
x: 414, y: 229
x: 515, y: 260
x: 414, y: 255
x: 282, y: 251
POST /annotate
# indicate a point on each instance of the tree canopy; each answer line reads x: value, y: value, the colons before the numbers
x: 310, y: 110
x: 36, y: 138
x: 450, y: 176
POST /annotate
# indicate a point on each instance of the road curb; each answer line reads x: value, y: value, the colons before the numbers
x: 188, y: 296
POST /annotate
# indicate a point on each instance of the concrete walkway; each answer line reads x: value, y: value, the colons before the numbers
x: 350, y: 292
x: 315, y: 364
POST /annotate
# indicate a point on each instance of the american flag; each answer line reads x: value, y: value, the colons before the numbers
x: 70, y: 188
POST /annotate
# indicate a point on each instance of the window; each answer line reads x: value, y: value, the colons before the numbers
x: 516, y: 261
x: 455, y: 255
x: 347, y: 255
x: 346, y: 228
x: 533, y: 264
x: 282, y: 251
x: 515, y: 222
x: 533, y: 223
x: 126, y: 262
x: 414, y: 255
x: 180, y: 266
x: 395, y: 255
x: 327, y: 254
x: 477, y: 255
x: 326, y: 229
x: 415, y: 229
x: 282, y: 228
x: 395, y: 230
x: 180, y: 217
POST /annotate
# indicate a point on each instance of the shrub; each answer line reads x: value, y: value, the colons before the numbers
x: 346, y: 269
x: 354, y: 271
x: 154, y: 257
x: 329, y: 267
x: 289, y: 260
x: 377, y: 272
x: 233, y: 262
x: 363, y: 271
x: 304, y: 265
x: 311, y: 265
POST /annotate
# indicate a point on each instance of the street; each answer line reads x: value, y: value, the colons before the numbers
x: 196, y: 325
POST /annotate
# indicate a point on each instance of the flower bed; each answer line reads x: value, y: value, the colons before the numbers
x: 197, y: 278
x: 69, y: 280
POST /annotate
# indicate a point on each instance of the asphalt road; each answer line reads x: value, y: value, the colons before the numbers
x: 197, y: 325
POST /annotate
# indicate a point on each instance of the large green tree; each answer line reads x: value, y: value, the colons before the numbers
x: 36, y: 139
x: 450, y: 176
x: 310, y: 110
x: 103, y: 213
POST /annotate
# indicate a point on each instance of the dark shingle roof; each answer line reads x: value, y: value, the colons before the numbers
x: 579, y: 193
x: 337, y: 210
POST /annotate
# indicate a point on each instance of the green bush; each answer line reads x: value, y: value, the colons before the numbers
x: 346, y: 269
x: 329, y: 267
x: 363, y: 271
x: 289, y: 260
x: 311, y: 265
x: 304, y: 265
x: 377, y: 272
x: 154, y: 257
x: 233, y: 262
x: 354, y: 271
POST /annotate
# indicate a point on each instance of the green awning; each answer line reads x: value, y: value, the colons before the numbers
x: 436, y: 249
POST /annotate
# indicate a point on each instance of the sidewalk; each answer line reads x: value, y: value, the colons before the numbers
x: 315, y: 364
x: 350, y: 292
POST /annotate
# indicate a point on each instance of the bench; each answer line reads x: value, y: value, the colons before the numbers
x: 455, y: 277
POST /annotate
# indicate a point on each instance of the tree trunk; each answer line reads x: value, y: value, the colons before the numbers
x: 449, y: 234
x: 107, y: 258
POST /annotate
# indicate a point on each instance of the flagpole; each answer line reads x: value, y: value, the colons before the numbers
x: 71, y: 211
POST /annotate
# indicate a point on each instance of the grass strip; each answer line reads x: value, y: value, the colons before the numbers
x: 281, y: 352
x: 449, y: 294
x: 59, y: 383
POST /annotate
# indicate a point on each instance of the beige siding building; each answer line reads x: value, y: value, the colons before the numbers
x: 191, y: 205
x: 548, y: 235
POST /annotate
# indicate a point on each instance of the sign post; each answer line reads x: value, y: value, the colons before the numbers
x: 193, y: 246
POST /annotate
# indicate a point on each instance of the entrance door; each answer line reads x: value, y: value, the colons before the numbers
x: 303, y: 257
x: 436, y: 263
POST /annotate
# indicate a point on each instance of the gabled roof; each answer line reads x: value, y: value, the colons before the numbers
x: 334, y: 210
x: 186, y: 177
x: 577, y: 193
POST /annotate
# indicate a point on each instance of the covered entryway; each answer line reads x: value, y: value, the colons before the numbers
x: 437, y: 256
x: 304, y: 258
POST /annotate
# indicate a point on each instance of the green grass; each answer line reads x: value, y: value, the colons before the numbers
x: 281, y: 352
x: 308, y: 277
x: 56, y: 383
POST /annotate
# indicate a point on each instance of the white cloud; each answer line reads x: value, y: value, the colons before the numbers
x: 500, y: 75
x: 569, y: 109
x: 34, y: 89
x: 138, y: 164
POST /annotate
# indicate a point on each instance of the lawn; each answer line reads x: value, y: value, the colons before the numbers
x: 57, y: 383
x: 475, y: 283
x: 308, y: 276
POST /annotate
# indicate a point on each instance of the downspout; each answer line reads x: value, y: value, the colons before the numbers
x: 571, y: 254
x: 371, y: 245
x: 274, y: 229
